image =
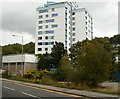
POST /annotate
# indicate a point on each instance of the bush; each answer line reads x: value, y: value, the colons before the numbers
x: 48, y: 81
x: 6, y: 74
x: 37, y: 74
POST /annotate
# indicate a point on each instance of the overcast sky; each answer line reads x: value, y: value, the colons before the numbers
x: 20, y: 18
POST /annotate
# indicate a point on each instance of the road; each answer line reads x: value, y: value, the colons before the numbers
x: 19, y: 91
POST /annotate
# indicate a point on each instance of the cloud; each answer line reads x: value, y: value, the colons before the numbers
x: 20, y: 17
x: 105, y: 17
x: 7, y: 37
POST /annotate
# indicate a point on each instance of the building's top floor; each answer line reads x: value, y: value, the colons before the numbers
x: 82, y: 10
x: 58, y: 5
x: 68, y: 5
x: 31, y: 58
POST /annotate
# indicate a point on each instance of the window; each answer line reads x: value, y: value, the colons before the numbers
x: 52, y: 37
x: 85, y: 12
x: 47, y: 16
x: 89, y: 21
x: 39, y: 27
x: 46, y: 37
x: 46, y: 49
x: 53, y: 9
x: 39, y: 38
x: 40, y: 32
x: 54, y: 26
x: 73, y: 23
x: 5, y: 64
x: 73, y: 34
x: 46, y: 43
x: 52, y: 43
x: 40, y: 22
x: 43, y: 43
x: 40, y: 16
x: 19, y: 63
x: 46, y: 26
x: 86, y: 28
x: 47, y: 32
x: 73, y: 18
x: 73, y: 39
x: 73, y: 13
x: 42, y: 11
x: 73, y: 29
x: 85, y: 17
x: 65, y: 14
x: 40, y: 43
x: 55, y: 14
x: 86, y: 23
x: 51, y: 20
x: 39, y: 49
x: 12, y: 63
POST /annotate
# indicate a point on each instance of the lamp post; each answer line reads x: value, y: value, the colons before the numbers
x: 21, y: 36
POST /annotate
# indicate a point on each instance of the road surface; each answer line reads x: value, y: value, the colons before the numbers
x: 19, y: 91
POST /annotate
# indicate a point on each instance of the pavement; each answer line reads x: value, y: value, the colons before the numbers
x: 45, y: 91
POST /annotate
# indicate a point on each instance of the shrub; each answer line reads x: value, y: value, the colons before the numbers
x: 48, y: 81
x: 6, y: 74
x: 37, y: 74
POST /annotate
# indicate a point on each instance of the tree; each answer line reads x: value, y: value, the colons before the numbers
x: 44, y: 62
x: 64, y: 69
x: 29, y: 48
x: 74, y: 51
x: 93, y: 64
x: 115, y: 39
x: 47, y: 61
x: 17, y: 48
x: 57, y: 53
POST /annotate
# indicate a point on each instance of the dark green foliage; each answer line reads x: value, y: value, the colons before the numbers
x: 5, y: 74
x: 47, y: 61
x: 57, y: 52
x: 115, y: 39
x: 74, y: 51
x: 44, y: 62
x: 64, y: 68
x: 29, y: 48
x: 93, y: 62
x: 17, y: 48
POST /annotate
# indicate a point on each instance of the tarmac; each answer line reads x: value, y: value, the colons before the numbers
x: 87, y: 94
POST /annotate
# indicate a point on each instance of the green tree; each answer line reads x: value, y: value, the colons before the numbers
x: 17, y: 48
x: 57, y: 53
x: 74, y: 51
x: 64, y: 69
x: 44, y: 62
x: 93, y: 64
x: 115, y: 39
x: 29, y: 48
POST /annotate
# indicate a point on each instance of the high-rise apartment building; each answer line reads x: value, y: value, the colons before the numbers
x: 62, y: 22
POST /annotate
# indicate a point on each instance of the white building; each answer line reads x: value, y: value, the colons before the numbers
x: 62, y: 22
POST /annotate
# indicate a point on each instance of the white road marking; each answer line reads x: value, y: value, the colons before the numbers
x: 29, y: 94
x: 8, y: 88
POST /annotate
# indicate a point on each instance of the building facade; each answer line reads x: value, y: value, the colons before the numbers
x: 62, y: 22
x: 19, y: 64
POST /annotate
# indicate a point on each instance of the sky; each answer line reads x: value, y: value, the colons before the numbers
x: 19, y: 18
